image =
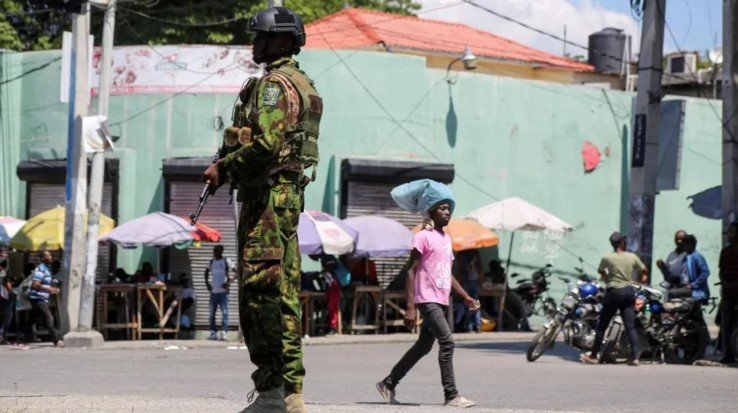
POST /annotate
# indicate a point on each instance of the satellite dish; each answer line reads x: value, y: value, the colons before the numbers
x: 716, y: 55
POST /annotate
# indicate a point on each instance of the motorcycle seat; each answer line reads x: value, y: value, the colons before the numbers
x: 679, y: 305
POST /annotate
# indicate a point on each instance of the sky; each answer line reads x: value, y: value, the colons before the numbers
x: 693, y: 23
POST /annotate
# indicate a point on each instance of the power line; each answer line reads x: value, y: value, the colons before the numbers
x: 29, y: 71
x: 399, y: 124
x: 163, y: 101
x: 181, y: 24
x: 545, y: 33
x: 724, y: 124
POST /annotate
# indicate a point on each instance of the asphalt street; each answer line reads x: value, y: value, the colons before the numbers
x: 341, y: 379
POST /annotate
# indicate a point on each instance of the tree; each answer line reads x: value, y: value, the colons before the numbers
x: 33, y: 25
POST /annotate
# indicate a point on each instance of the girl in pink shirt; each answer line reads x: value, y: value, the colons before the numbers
x: 428, y: 286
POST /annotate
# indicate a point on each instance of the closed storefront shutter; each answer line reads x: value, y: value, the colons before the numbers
x: 45, y: 196
x: 219, y: 215
x: 366, y: 187
x: 373, y: 198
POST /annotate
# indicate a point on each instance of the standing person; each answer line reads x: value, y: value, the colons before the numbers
x: 428, y: 286
x: 674, y: 264
x: 7, y: 301
x: 470, y: 266
x: 617, y: 269
x: 696, y: 270
x: 221, y: 269
x: 273, y: 140
x: 42, y: 288
x: 729, y: 292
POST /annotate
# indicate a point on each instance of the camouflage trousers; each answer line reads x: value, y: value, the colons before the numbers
x: 269, y: 281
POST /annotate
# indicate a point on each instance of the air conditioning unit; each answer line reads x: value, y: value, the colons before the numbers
x: 681, y: 63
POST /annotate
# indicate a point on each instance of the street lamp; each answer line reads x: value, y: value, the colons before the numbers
x: 469, y: 60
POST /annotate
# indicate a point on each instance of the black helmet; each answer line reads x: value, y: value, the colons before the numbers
x: 279, y: 20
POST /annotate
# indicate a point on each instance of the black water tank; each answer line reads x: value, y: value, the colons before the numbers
x: 606, y: 49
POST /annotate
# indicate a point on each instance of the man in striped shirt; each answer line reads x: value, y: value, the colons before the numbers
x: 42, y: 288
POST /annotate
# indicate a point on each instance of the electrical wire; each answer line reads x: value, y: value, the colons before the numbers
x: 176, y: 23
x: 551, y: 35
x: 724, y: 124
x: 29, y: 71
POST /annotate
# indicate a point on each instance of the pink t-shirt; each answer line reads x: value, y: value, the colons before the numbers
x: 433, y: 275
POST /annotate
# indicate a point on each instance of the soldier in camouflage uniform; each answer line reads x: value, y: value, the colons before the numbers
x: 265, y: 154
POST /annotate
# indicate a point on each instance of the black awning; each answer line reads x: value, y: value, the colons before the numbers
x: 51, y: 171
x: 184, y: 169
x: 375, y: 170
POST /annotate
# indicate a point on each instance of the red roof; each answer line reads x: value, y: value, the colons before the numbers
x: 354, y: 28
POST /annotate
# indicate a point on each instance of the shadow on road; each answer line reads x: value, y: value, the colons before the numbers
x: 559, y: 350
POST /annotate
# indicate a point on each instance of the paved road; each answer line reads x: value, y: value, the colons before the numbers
x: 341, y: 378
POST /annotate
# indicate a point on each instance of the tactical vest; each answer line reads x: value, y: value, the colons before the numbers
x: 300, y: 149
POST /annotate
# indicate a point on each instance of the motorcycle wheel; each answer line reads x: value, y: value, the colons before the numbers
x: 607, y: 354
x: 542, y: 341
x: 688, y: 348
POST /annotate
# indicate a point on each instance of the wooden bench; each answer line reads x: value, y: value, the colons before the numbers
x: 127, y: 292
x: 366, y: 292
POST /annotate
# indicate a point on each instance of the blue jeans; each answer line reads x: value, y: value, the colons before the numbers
x: 219, y: 300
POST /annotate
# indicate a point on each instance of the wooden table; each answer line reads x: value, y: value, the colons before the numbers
x: 365, y: 292
x: 127, y: 291
x: 307, y: 307
x: 395, y: 300
x: 155, y: 294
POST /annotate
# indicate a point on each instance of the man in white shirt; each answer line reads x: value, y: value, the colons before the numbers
x: 222, y: 270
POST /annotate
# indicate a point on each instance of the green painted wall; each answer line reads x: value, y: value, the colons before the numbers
x: 506, y: 137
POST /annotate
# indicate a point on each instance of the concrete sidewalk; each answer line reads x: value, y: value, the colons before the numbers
x: 344, y: 339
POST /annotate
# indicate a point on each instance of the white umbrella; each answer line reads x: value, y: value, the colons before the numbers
x: 9, y: 226
x: 514, y: 214
x: 153, y: 230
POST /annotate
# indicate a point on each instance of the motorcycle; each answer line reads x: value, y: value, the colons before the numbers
x: 534, y: 292
x: 672, y: 331
x: 576, y: 316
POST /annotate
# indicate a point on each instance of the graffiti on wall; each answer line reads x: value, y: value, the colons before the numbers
x: 544, y: 244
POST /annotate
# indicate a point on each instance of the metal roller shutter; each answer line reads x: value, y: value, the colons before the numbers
x: 373, y: 198
x: 44, y: 196
x: 218, y: 214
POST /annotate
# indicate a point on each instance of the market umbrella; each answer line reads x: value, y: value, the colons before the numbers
x: 9, y: 226
x: 318, y: 232
x: 380, y: 236
x: 153, y: 230
x: 467, y: 234
x: 515, y: 214
x: 45, y: 231
x: 204, y: 233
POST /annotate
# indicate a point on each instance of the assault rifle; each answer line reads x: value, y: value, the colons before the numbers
x: 204, y: 195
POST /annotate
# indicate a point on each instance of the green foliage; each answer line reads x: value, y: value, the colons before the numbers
x: 30, y: 25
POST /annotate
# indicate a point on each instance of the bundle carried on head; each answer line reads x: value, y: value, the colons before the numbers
x: 422, y: 196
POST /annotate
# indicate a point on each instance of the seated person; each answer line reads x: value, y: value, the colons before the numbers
x: 145, y: 274
x: 364, y: 270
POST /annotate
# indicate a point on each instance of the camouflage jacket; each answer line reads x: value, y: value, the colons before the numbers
x: 262, y: 119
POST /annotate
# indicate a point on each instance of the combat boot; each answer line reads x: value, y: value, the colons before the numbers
x: 295, y: 403
x: 270, y: 401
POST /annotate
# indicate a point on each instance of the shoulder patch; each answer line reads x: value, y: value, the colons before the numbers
x: 270, y: 94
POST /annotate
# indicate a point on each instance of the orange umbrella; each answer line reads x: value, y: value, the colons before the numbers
x: 468, y: 235
x: 205, y: 234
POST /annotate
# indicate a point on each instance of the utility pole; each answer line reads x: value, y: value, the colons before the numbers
x: 730, y: 120
x: 644, y: 162
x: 76, y: 181
x: 97, y: 178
